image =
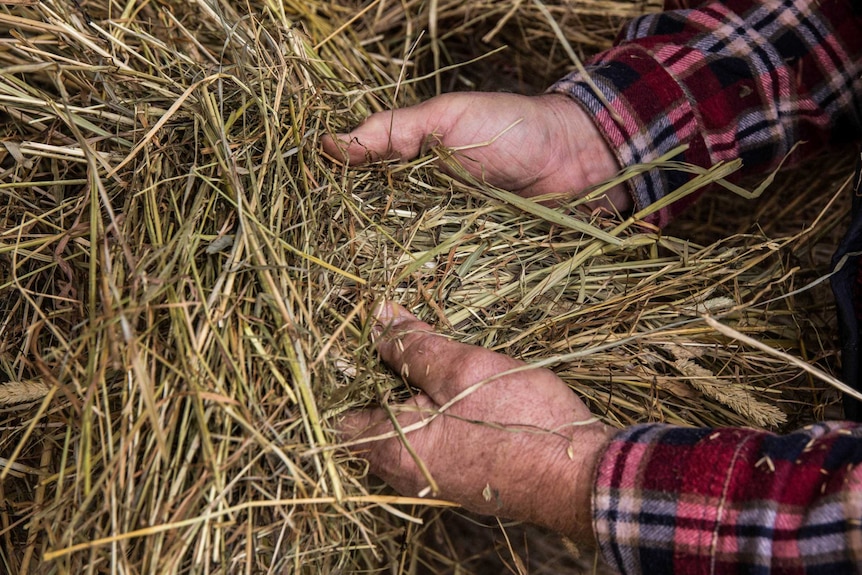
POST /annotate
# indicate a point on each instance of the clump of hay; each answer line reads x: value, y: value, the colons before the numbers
x: 186, y: 283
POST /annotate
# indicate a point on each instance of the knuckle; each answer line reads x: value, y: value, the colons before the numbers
x: 421, y: 343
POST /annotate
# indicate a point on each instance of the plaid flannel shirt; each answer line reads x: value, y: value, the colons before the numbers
x: 732, y: 79
x: 679, y: 500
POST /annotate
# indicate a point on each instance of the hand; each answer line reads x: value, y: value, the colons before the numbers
x: 520, y: 445
x: 539, y: 145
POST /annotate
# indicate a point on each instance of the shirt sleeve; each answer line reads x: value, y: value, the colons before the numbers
x: 669, y: 499
x: 731, y: 79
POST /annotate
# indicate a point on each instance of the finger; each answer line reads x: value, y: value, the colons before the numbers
x: 363, y: 427
x: 397, y: 134
x: 430, y: 361
x: 362, y: 423
x: 387, y: 457
x: 411, y: 348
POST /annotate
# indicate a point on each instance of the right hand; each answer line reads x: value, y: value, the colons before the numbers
x: 522, y: 445
x: 532, y: 145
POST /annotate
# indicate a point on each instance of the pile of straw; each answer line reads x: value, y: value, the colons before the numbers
x: 185, y: 280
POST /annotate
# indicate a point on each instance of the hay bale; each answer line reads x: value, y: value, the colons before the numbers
x: 186, y: 281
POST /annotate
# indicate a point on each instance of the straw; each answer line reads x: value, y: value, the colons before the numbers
x: 186, y: 279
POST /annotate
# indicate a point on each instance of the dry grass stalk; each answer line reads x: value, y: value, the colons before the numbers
x: 732, y: 394
x: 191, y: 279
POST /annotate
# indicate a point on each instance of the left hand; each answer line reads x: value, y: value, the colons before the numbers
x: 521, y: 445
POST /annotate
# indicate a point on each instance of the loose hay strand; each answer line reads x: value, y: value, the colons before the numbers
x: 805, y: 366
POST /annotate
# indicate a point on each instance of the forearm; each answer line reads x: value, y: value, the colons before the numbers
x: 732, y: 79
x: 679, y: 500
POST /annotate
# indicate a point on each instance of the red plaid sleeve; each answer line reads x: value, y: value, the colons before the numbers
x: 722, y: 501
x: 732, y: 79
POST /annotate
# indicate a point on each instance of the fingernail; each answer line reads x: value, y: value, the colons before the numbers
x: 388, y: 313
x: 380, y: 320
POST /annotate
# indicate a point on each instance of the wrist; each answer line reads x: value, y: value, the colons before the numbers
x: 590, y: 159
x: 565, y: 496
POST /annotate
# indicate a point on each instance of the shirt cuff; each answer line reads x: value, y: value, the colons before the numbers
x: 653, y: 116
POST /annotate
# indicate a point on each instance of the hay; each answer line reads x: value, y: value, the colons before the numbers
x: 186, y: 281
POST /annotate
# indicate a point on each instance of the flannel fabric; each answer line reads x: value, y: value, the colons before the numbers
x: 680, y: 500
x: 731, y: 79
x: 746, y: 79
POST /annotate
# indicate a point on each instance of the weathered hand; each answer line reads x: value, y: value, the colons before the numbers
x: 520, y: 445
x: 539, y: 145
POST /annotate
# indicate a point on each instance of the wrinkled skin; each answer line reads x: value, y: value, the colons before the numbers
x: 520, y: 445
x: 536, y: 146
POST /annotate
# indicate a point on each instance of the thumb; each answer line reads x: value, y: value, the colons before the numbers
x: 396, y: 134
